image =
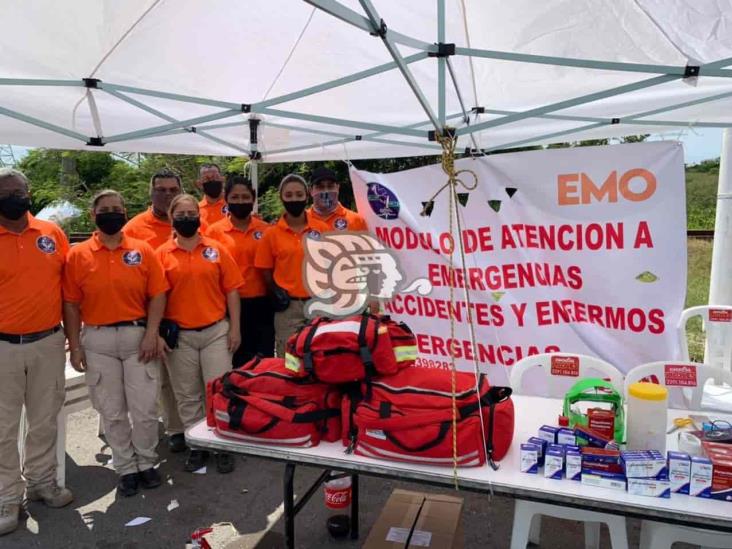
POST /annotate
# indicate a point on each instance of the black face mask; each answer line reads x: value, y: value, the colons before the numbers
x: 213, y: 188
x: 295, y: 207
x: 110, y: 222
x: 186, y: 226
x: 14, y: 207
x: 241, y: 211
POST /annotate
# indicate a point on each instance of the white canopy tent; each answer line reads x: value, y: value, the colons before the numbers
x: 285, y: 80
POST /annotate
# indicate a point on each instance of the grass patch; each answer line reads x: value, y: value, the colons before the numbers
x: 697, y: 291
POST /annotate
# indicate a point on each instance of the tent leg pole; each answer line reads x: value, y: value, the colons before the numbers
x: 720, y: 287
x: 441, y: 62
x: 254, y: 178
x: 720, y: 284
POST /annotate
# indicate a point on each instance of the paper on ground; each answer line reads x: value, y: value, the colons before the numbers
x: 137, y: 521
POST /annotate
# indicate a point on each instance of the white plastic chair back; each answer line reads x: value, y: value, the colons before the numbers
x: 684, y: 380
x: 717, y: 325
x: 553, y: 374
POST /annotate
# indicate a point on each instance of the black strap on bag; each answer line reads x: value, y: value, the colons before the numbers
x: 307, y: 359
x: 442, y: 433
x: 365, y: 353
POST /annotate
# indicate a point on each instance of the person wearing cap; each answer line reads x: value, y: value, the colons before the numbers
x: 281, y: 254
x: 153, y: 226
x: 212, y: 205
x: 204, y: 282
x: 241, y: 233
x: 324, y: 189
x: 115, y: 285
x: 32, y: 355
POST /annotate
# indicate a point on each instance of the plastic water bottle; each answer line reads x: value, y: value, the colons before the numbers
x: 337, y: 491
x: 646, y: 420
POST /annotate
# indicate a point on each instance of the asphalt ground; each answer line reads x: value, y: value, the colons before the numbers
x: 250, y: 498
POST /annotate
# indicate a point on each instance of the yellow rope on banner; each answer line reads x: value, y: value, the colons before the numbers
x: 448, y: 144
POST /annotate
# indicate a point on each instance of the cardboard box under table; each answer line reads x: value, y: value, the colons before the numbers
x: 414, y: 519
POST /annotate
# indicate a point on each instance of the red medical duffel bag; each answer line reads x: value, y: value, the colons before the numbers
x: 262, y: 402
x: 409, y: 417
x: 352, y: 349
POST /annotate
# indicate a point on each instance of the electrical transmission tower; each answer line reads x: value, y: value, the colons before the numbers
x: 7, y: 157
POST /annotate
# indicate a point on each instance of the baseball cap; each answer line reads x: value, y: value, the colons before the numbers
x: 322, y: 174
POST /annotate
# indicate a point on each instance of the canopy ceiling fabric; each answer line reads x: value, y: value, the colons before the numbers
x: 220, y: 58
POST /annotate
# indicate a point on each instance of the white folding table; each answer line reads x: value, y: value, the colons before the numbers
x: 531, y: 413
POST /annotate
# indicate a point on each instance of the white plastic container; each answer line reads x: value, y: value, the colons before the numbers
x: 646, y: 418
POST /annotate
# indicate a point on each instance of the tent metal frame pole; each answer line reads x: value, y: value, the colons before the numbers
x: 347, y: 15
x: 567, y: 103
x: 379, y: 69
x: 151, y: 132
x: 172, y: 96
x: 441, y: 61
x: 41, y: 124
x: 345, y: 123
x: 552, y: 135
x: 41, y: 82
x: 720, y: 280
x: 163, y: 116
x: 379, y: 28
x: 705, y: 70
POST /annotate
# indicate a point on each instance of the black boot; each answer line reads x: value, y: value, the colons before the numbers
x: 127, y: 485
x: 196, y: 460
x: 150, y: 478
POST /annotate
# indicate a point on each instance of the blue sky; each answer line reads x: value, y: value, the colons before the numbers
x: 701, y: 144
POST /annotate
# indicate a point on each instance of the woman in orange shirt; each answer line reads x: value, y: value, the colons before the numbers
x: 204, y: 283
x: 280, y: 257
x: 115, y: 286
x: 241, y: 233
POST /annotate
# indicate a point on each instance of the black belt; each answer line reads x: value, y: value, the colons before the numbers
x: 299, y: 298
x: 200, y: 328
x: 29, y: 338
x: 141, y: 322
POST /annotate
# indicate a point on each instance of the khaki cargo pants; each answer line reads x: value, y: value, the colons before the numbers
x: 30, y: 374
x: 125, y: 393
x: 287, y: 323
x: 199, y: 357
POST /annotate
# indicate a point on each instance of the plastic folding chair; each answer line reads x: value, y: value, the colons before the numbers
x: 684, y: 380
x: 717, y: 325
x: 659, y: 535
x: 557, y: 384
x: 560, y: 371
x: 693, y: 376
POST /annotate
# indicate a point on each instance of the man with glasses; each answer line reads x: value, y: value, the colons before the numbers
x: 154, y: 227
x: 32, y: 354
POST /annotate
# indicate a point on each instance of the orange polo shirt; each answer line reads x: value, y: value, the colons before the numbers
x: 211, y: 213
x: 242, y: 245
x: 146, y: 226
x: 282, y: 251
x: 341, y: 219
x: 199, y: 281
x: 31, y: 271
x: 112, y: 285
